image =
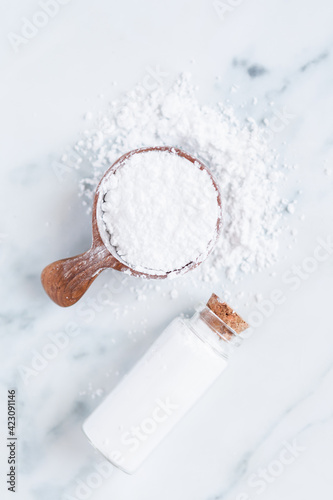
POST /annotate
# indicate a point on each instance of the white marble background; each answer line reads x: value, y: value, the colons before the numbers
x: 277, y: 391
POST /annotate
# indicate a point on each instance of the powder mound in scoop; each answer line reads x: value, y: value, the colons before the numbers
x: 160, y: 211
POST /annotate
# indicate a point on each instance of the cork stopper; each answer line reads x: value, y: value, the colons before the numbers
x: 223, y: 311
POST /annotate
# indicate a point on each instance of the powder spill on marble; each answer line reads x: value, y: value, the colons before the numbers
x: 237, y: 154
x: 160, y: 211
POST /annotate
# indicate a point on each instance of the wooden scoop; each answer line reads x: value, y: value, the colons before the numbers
x: 66, y: 280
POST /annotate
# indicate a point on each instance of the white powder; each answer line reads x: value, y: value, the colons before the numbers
x: 161, y: 211
x: 237, y: 153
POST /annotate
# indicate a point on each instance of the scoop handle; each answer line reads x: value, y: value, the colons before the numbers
x: 66, y: 280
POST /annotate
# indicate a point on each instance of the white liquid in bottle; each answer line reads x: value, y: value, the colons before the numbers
x: 167, y: 381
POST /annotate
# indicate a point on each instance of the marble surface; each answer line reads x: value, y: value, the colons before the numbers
x: 265, y: 429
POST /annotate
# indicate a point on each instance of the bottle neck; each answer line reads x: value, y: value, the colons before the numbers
x: 214, y: 331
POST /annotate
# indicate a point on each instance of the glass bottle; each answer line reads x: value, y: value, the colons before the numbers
x: 165, y: 383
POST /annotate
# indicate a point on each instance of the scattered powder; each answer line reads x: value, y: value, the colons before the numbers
x: 237, y: 153
x: 93, y: 393
x: 160, y: 211
x: 291, y: 208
